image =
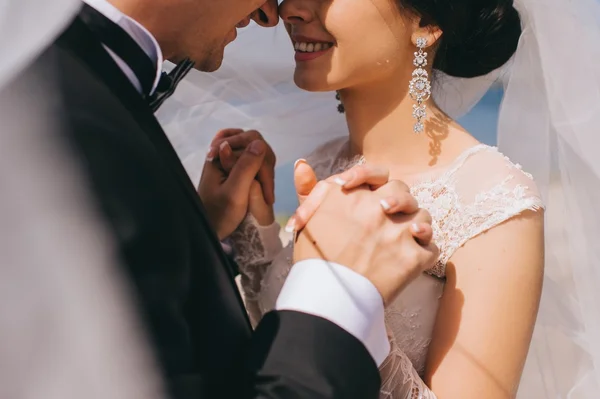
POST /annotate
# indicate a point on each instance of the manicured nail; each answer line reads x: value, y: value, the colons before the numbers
x: 416, y: 228
x: 223, y: 145
x: 290, y: 227
x: 344, y: 178
x: 256, y: 147
x: 209, y: 155
x: 298, y: 161
x: 339, y: 181
x: 385, y: 205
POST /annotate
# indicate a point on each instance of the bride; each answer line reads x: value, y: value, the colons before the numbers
x: 463, y: 329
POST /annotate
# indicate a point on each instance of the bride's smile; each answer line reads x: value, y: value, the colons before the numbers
x: 308, y: 48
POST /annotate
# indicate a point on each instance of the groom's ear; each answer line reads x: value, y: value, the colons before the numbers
x: 267, y: 15
x: 304, y: 179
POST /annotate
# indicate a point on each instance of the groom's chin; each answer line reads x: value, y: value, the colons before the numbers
x: 210, y: 63
x: 209, y: 67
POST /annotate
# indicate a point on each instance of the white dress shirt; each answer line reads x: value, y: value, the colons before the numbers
x: 316, y: 287
x: 141, y: 35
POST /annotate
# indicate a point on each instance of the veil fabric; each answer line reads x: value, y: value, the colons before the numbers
x: 253, y: 89
x: 67, y: 330
x: 549, y: 122
x: 27, y: 27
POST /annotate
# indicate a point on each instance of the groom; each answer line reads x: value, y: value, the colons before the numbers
x: 327, y: 335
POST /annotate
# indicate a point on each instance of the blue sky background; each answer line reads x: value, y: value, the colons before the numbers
x: 482, y: 122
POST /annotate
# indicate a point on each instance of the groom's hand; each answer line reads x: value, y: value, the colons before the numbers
x: 228, y: 144
x: 225, y: 194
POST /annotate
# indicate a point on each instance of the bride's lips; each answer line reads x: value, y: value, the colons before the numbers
x: 308, y: 48
x: 300, y: 56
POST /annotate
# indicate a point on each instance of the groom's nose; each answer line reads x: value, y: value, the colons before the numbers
x: 267, y: 14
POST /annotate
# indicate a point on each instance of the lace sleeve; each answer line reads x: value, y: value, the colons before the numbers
x: 483, y: 190
x: 254, y: 248
x: 399, y: 379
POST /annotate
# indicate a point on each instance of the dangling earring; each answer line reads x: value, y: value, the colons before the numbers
x: 340, y: 106
x: 420, y: 87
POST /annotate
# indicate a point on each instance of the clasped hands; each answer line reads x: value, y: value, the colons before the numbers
x: 360, y: 219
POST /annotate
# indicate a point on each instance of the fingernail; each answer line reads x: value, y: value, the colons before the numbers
x: 299, y: 161
x: 209, y: 155
x: 344, y: 178
x: 385, y: 205
x: 339, y: 181
x: 223, y: 145
x: 416, y: 228
x: 291, y: 225
x: 256, y: 147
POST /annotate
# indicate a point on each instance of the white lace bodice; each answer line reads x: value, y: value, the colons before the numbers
x: 478, y: 191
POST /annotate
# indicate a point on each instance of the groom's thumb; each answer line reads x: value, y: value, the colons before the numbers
x: 304, y: 179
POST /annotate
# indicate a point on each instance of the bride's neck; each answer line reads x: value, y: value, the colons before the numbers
x: 380, y: 123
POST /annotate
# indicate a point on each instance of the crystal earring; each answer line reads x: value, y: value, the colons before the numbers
x: 420, y: 87
x: 340, y: 106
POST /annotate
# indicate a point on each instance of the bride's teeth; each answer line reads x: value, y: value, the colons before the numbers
x: 311, y: 47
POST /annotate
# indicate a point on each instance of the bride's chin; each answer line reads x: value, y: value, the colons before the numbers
x: 311, y: 81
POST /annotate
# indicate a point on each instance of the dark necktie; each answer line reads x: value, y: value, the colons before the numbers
x: 168, y: 83
x: 123, y: 45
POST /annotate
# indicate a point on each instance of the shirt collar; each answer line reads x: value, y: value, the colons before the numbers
x: 141, y: 35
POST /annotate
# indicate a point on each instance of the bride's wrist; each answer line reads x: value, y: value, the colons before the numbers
x: 264, y: 217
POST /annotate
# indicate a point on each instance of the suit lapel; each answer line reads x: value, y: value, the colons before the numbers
x: 78, y: 37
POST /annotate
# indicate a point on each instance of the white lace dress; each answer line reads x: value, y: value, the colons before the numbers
x: 478, y: 191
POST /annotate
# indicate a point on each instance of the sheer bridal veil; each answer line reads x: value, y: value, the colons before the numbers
x: 549, y: 122
x: 66, y: 330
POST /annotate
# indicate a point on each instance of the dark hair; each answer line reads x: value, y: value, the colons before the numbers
x: 478, y: 35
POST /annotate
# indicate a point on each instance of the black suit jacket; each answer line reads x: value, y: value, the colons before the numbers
x: 184, y: 286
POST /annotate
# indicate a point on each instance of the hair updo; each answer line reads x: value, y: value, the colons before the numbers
x: 478, y: 37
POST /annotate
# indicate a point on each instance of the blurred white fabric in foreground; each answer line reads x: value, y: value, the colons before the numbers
x: 66, y: 329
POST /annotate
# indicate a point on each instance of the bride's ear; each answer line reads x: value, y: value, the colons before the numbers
x: 430, y: 32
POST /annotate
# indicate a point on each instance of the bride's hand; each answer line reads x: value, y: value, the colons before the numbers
x: 306, y: 180
x: 257, y: 205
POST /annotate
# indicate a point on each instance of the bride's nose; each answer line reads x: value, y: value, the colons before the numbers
x: 296, y: 11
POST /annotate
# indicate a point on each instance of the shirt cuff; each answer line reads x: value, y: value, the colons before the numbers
x: 340, y: 295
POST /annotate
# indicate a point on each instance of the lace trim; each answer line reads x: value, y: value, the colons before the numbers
x: 255, y: 244
x: 399, y: 378
x: 454, y: 221
x: 457, y: 219
x: 254, y: 248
